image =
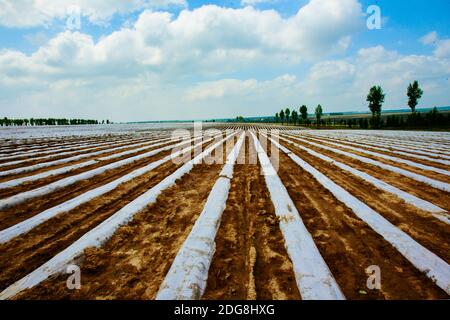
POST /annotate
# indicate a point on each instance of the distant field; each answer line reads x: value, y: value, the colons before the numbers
x: 302, y: 215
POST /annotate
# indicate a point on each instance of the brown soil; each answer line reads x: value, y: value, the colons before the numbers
x: 426, y: 173
x: 349, y: 245
x: 250, y: 261
x: 392, y: 154
x: 11, y: 216
x: 57, y: 177
x: 31, y: 159
x: 419, y: 189
x: 134, y: 262
x: 420, y: 225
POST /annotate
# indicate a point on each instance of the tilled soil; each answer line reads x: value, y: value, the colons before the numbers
x: 31, y: 160
x: 6, y: 192
x: 29, y: 251
x: 392, y: 151
x: 426, y: 173
x: 134, y: 262
x: 349, y: 246
x: 250, y: 261
x: 420, y: 225
x: 416, y: 188
x: 13, y: 215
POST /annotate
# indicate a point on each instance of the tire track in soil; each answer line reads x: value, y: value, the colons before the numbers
x: 16, y: 214
x: 416, y: 188
x: 71, y: 163
x: 426, y: 173
x: 420, y: 225
x: 349, y: 246
x: 250, y: 261
x: 134, y: 262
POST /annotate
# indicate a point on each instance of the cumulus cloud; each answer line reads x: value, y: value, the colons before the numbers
x: 345, y: 83
x: 32, y: 13
x: 197, y: 60
x: 209, y: 40
x: 226, y: 88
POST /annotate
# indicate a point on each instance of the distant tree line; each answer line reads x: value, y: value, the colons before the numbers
x: 48, y: 122
x: 375, y: 99
x: 431, y: 119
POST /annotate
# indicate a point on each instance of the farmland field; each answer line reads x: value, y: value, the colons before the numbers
x: 243, y: 212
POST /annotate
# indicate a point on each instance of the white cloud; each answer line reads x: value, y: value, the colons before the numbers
x: 31, y: 13
x: 429, y: 38
x: 254, y: 2
x: 442, y: 46
x: 195, y: 63
x: 343, y: 84
x: 226, y: 88
x: 209, y: 40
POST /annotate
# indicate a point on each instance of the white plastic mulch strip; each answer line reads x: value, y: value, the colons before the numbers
x: 97, y: 236
x: 42, y: 175
x: 69, y: 159
x: 313, y: 277
x: 115, y: 146
x: 377, y: 147
x: 24, y: 196
x: 76, y: 147
x: 408, y: 198
x: 19, y: 181
x: 188, y: 275
x: 44, y: 152
x: 399, y: 145
x: 27, y: 225
x: 383, y: 156
x: 398, y: 139
x: 434, y: 183
x: 426, y: 261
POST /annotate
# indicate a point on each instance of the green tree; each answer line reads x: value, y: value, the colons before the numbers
x: 414, y: 93
x: 277, y: 117
x: 282, y: 116
x: 287, y: 113
x: 376, y: 100
x: 304, y: 113
x: 319, y: 113
x: 294, y: 117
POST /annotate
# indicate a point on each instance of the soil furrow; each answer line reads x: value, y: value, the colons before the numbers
x: 32, y: 249
x: 416, y: 188
x: 250, y: 261
x: 349, y: 245
x: 11, y: 216
x: 134, y: 262
x: 426, y: 173
x: 31, y: 161
x: 392, y: 154
x: 74, y: 162
x: 420, y: 225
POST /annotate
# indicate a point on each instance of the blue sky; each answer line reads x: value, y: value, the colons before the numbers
x: 182, y: 59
